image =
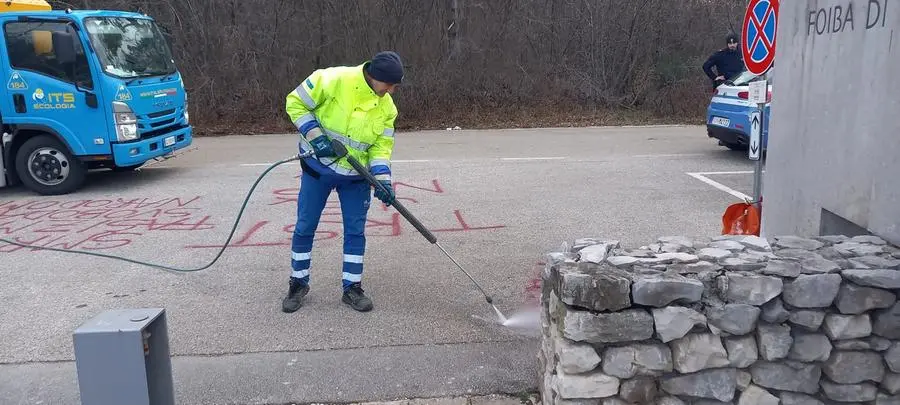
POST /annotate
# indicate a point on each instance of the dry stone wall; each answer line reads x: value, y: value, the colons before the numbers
x: 729, y: 320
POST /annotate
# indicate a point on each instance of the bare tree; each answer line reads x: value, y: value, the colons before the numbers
x: 469, y: 62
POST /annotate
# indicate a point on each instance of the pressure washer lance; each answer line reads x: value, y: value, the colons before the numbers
x: 341, y: 151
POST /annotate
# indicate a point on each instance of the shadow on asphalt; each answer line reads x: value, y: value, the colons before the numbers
x: 105, y: 181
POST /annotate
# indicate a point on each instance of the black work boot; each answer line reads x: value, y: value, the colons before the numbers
x: 355, y: 297
x: 297, y: 291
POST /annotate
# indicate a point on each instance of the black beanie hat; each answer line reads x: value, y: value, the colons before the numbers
x: 387, y: 67
x: 731, y: 38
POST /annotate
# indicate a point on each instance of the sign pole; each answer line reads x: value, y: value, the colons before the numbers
x: 759, y: 94
x: 757, y: 171
x: 758, y: 50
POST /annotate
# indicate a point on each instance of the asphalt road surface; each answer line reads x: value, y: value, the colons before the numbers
x: 496, y: 200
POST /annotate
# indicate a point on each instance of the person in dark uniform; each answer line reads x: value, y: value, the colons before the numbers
x: 727, y: 61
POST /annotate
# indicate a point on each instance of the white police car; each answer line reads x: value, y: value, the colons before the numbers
x: 728, y: 114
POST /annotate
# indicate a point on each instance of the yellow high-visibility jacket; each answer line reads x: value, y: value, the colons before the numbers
x: 339, y: 101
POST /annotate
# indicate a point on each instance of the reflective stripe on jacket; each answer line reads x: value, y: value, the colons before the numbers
x: 340, y: 102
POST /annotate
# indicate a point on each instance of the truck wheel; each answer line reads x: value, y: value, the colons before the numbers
x: 47, y: 167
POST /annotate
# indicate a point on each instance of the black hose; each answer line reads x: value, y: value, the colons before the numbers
x: 175, y: 269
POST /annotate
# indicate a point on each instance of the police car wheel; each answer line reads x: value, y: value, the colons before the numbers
x: 46, y: 166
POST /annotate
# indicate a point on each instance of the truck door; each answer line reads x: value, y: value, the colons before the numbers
x: 51, y: 85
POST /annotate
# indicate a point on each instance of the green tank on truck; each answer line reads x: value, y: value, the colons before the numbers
x: 84, y: 90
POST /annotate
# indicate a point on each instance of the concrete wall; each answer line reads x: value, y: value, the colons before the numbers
x: 835, y: 129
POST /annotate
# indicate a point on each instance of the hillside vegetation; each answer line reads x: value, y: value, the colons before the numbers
x: 488, y: 63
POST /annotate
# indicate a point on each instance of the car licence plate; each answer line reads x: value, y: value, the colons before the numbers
x: 724, y: 122
x: 169, y: 141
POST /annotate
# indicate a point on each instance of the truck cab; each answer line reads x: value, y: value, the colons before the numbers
x: 84, y: 90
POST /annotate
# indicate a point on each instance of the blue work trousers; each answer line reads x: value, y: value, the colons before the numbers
x: 354, y: 195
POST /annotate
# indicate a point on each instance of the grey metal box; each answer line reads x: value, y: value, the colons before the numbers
x: 122, y: 357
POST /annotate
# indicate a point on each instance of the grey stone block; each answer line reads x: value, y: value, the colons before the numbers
x: 817, y: 264
x: 875, y: 262
x: 781, y: 268
x: 742, y: 350
x: 596, y: 253
x: 892, y: 357
x: 809, y: 319
x: 843, y: 327
x: 736, y: 319
x: 729, y: 245
x: 719, y: 384
x: 755, y: 395
x: 774, y: 312
x: 624, y: 326
x: 854, y: 299
x: 637, y: 360
x: 812, y: 291
x: 678, y: 257
x: 875, y: 343
x: 852, y: 249
x: 811, y: 347
x: 868, y: 239
x: 787, y: 376
x: 891, y: 383
x: 640, y: 390
x: 592, y: 286
x: 793, y: 398
x: 741, y: 264
x: 796, y: 242
x: 698, y: 351
x: 594, y: 385
x: 853, y: 367
x: 883, y: 399
x: 714, y: 254
x: 774, y: 341
x: 576, y: 358
x: 879, y: 278
x: 849, y: 392
x: 665, y: 289
x: 743, y: 379
x: 752, y: 289
x: 669, y: 401
x: 886, y: 322
x: 674, y: 322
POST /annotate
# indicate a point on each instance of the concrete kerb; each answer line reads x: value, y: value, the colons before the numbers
x: 524, y: 399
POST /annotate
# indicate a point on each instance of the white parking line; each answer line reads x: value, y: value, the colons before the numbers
x: 535, y: 158
x: 702, y: 177
x: 720, y: 173
x: 665, y: 155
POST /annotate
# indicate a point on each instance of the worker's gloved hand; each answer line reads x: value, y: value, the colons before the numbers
x: 322, y: 147
x: 388, y: 198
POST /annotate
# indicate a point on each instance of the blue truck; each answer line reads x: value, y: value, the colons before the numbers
x: 84, y: 90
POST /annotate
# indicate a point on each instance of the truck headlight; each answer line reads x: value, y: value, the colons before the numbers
x: 126, y: 122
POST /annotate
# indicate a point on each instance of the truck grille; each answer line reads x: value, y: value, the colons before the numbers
x: 161, y: 122
x: 161, y: 113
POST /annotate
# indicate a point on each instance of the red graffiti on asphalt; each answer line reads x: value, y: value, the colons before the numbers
x: 95, y: 224
x: 104, y: 224
x: 260, y: 234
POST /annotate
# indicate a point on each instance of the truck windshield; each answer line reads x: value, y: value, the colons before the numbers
x: 130, y: 47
